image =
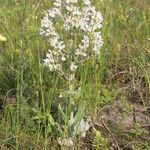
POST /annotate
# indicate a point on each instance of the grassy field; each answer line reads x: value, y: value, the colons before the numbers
x: 115, y: 90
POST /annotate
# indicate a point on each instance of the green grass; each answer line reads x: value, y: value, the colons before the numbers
x: 28, y: 91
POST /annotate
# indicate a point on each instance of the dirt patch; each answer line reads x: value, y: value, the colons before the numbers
x: 125, y: 123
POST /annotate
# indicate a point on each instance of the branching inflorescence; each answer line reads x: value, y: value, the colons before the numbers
x: 73, y: 32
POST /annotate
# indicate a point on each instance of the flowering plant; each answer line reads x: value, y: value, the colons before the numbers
x: 72, y: 30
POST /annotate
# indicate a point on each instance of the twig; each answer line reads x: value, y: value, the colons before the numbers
x: 113, y: 137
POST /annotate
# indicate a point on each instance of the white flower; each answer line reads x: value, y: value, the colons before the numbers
x: 73, y: 66
x: 57, y: 3
x: 63, y: 58
x: 87, y: 2
x: 76, y: 11
x: 60, y: 96
x: 53, y: 12
x: 71, y: 1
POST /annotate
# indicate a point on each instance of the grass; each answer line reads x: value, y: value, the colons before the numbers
x: 121, y: 75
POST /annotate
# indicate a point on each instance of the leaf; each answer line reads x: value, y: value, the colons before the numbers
x: 37, y: 117
x: 50, y: 119
x: 63, y: 115
x: 80, y: 113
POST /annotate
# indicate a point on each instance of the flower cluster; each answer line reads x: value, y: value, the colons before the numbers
x: 73, y: 32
